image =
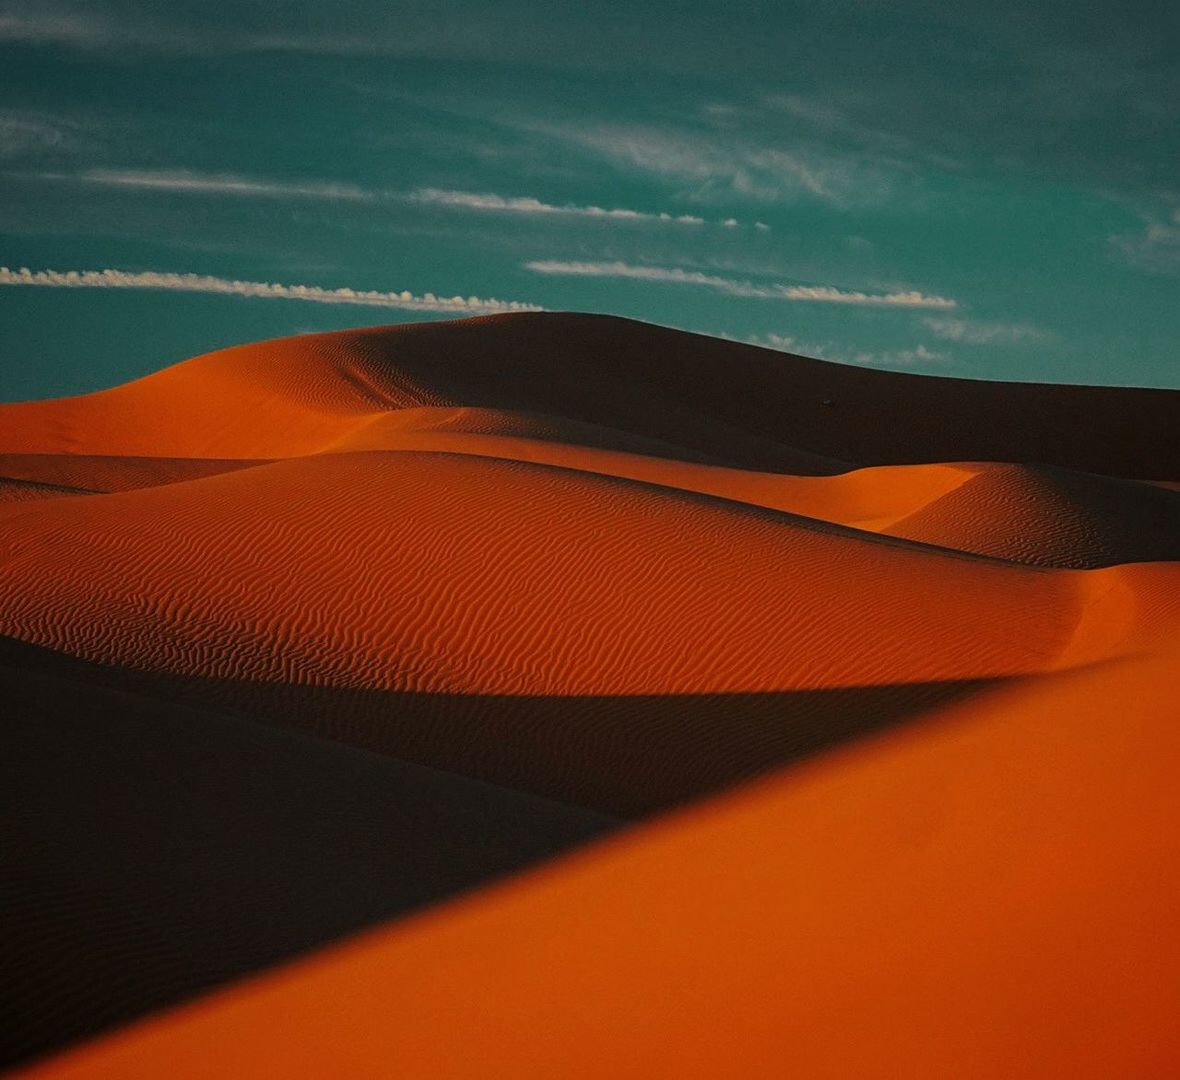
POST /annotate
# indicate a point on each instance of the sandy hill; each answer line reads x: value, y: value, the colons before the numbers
x: 512, y: 581
x: 743, y: 404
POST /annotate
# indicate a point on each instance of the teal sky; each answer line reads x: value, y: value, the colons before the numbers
x: 990, y: 191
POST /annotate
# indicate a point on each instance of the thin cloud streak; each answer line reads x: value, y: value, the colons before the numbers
x: 469, y: 200
x: 184, y: 181
x: 61, y: 27
x: 200, y: 283
x: 914, y: 357
x: 731, y: 287
x: 967, y: 332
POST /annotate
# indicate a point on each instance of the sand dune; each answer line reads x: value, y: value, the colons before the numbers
x: 744, y: 405
x: 985, y: 894
x: 444, y: 577
x: 583, y: 569
x: 1037, y: 515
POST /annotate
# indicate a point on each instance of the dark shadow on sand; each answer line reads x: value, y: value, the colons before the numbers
x: 164, y: 836
x: 622, y: 755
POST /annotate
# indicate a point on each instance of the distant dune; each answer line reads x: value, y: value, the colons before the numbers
x: 307, y: 634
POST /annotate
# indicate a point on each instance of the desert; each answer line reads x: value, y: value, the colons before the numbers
x: 646, y: 702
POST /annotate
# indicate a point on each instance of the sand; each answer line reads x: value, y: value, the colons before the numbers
x: 609, y: 571
x: 153, y: 851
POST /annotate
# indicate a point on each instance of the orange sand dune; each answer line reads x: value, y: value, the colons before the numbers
x: 743, y: 405
x: 301, y: 395
x: 621, y: 568
x: 1041, y: 515
x: 991, y: 893
x: 862, y: 498
x: 444, y: 577
x: 1045, y: 517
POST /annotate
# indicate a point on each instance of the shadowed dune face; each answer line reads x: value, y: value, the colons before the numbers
x: 518, y: 578
x: 636, y: 754
x: 13, y: 490
x: 1051, y: 517
x: 82, y: 474
x: 175, y: 849
x: 985, y: 894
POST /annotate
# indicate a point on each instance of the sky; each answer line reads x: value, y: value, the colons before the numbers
x: 981, y: 191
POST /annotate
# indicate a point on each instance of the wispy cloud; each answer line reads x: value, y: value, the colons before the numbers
x: 184, y: 181
x: 61, y: 27
x: 24, y: 133
x: 1156, y: 248
x: 913, y: 357
x: 93, y: 26
x: 735, y: 287
x: 827, y: 122
x: 200, y: 283
x: 86, y: 25
x: 721, y: 165
x: 969, y: 332
x: 469, y: 200
x: 823, y: 116
x: 200, y: 29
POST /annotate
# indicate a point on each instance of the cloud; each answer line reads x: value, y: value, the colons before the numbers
x: 62, y: 27
x: 720, y: 165
x: 24, y: 133
x: 199, y: 283
x: 468, y: 200
x: 86, y: 26
x: 968, y: 332
x: 914, y: 357
x: 183, y: 181
x: 733, y: 287
x: 830, y: 123
x: 1156, y: 248
x: 349, y: 28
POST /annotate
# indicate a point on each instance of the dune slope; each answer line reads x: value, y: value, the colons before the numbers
x: 986, y: 894
x: 307, y: 634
